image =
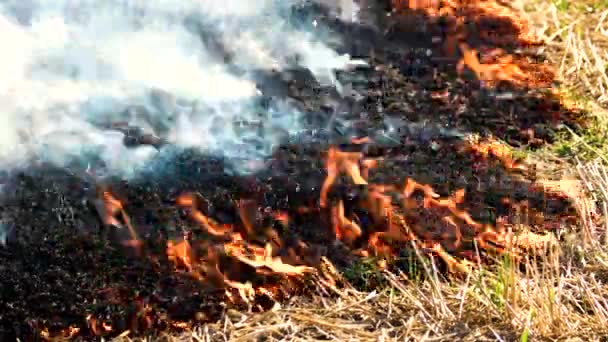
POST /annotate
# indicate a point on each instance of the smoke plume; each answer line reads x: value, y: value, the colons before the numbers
x: 179, y: 70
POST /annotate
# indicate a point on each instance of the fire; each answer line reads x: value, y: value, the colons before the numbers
x: 467, y: 21
x: 344, y: 228
x: 109, y: 207
x: 340, y: 162
x: 434, y: 224
x: 247, y: 259
x: 468, y: 11
x: 190, y: 201
x: 98, y: 328
x: 498, y: 67
x: 255, y: 253
x: 180, y: 253
x: 206, y: 266
x: 504, y: 70
x: 265, y: 260
x: 113, y: 214
x: 484, y: 149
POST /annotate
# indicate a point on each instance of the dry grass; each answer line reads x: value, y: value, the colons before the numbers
x: 561, y: 296
x: 575, y: 34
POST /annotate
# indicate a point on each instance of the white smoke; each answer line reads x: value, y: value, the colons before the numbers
x: 69, y: 68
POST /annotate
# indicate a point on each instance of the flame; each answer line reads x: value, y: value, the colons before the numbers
x: 484, y: 149
x: 180, y: 253
x: 189, y: 201
x: 466, y: 20
x: 338, y: 162
x: 245, y: 265
x: 112, y: 212
x: 265, y: 260
x: 282, y: 217
x: 378, y: 203
x: 206, y: 268
x: 98, y: 328
x: 248, y: 214
x: 464, y: 12
x: 504, y: 68
x: 109, y: 207
x: 180, y: 325
x: 343, y: 227
x: 434, y: 224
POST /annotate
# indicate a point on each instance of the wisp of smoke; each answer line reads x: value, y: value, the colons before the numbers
x: 70, y: 69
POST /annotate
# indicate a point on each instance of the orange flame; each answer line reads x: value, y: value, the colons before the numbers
x: 265, y: 260
x: 406, y: 215
x: 344, y: 228
x: 504, y: 68
x: 433, y: 223
x: 472, y: 11
x: 425, y: 223
x: 337, y: 163
x: 180, y: 253
x: 487, y: 148
x: 466, y: 20
x: 190, y: 201
x: 207, y: 268
x: 248, y: 213
x: 112, y: 211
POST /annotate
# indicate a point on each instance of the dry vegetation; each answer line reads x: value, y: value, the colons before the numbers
x: 560, y: 297
x: 563, y: 296
x: 575, y: 34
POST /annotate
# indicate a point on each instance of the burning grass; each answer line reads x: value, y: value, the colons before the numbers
x: 248, y: 247
x: 559, y: 296
x: 446, y: 239
x: 484, y: 74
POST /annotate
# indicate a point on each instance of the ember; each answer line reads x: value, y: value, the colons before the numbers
x: 376, y: 174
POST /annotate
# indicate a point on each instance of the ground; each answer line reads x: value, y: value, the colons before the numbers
x: 556, y: 130
x: 562, y: 299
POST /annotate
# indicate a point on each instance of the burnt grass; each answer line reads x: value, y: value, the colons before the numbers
x: 60, y: 265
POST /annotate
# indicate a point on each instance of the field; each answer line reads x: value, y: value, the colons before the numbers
x: 562, y: 297
x: 507, y: 239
